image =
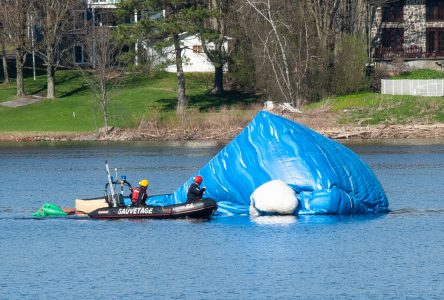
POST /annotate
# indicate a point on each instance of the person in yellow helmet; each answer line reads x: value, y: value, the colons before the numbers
x: 140, y: 194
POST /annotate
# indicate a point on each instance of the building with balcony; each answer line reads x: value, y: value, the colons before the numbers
x: 411, y: 31
x: 99, y: 12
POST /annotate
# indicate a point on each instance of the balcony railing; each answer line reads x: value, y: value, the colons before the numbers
x: 412, y: 52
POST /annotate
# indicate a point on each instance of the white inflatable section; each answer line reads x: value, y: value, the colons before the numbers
x: 273, y: 197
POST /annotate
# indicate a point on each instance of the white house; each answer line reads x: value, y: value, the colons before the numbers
x: 194, y: 57
x: 195, y: 60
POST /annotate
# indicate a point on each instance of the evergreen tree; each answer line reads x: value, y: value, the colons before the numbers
x: 162, y: 25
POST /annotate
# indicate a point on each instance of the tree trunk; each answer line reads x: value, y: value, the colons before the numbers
x: 217, y: 55
x: 218, y: 88
x: 181, y: 99
x: 50, y: 92
x: 105, y: 118
x: 5, y: 64
x: 104, y: 98
x: 20, y: 58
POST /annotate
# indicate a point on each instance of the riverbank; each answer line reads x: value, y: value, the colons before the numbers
x: 144, y: 109
x: 321, y: 123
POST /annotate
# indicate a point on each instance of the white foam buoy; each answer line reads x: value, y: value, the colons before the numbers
x: 274, y: 196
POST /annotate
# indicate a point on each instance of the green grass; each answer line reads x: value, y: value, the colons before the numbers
x: 142, y: 100
x: 76, y: 110
x: 420, y: 74
x: 371, y: 108
x: 8, y: 91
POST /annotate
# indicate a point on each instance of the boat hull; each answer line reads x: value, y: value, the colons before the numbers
x: 200, y: 209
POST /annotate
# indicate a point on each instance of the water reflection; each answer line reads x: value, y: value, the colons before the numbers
x: 335, y: 219
x: 274, y: 220
x: 394, y: 142
x: 414, y: 211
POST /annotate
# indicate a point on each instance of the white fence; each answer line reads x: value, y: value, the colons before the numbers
x: 430, y: 87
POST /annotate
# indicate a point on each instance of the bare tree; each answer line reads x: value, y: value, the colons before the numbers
x: 100, y: 45
x: 324, y: 13
x: 337, y: 23
x: 4, y: 58
x: 284, y: 43
x: 52, y: 19
x: 14, y: 16
x: 352, y: 16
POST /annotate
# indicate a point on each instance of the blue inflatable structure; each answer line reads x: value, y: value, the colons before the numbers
x: 328, y: 178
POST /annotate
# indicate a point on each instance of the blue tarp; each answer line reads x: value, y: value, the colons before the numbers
x: 327, y: 177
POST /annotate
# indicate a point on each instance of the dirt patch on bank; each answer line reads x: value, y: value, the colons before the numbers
x: 321, y: 120
x: 327, y: 123
x: 317, y: 119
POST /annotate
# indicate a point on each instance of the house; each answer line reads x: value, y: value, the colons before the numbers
x: 98, y: 10
x: 411, y: 31
x: 195, y: 60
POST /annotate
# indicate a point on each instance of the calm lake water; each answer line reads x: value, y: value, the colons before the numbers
x: 399, y: 255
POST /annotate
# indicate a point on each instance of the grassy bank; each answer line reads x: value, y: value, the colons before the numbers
x: 148, y: 102
x: 367, y: 108
x: 138, y: 101
x: 372, y: 109
x: 420, y: 74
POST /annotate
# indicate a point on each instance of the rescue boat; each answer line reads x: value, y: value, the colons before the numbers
x: 201, y: 209
x: 99, y: 209
x: 115, y: 205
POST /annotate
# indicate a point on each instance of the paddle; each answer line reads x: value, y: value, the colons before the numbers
x: 111, y: 187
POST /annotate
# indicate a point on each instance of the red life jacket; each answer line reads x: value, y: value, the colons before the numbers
x: 135, y: 195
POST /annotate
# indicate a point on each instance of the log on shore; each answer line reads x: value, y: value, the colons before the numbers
x: 385, y: 132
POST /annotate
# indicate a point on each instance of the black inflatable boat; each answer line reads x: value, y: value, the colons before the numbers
x: 199, y: 209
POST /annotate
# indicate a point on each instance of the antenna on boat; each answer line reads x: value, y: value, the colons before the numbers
x: 110, y: 181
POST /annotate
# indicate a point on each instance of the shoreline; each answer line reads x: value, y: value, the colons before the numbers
x: 432, y: 131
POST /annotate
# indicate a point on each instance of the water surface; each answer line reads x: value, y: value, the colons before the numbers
x: 391, y: 256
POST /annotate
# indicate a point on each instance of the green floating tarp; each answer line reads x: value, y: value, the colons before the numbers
x: 49, y: 209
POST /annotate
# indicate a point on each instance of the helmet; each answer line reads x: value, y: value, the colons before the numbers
x: 198, y: 179
x: 144, y: 183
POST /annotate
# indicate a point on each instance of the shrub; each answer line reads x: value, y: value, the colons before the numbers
x: 350, y: 65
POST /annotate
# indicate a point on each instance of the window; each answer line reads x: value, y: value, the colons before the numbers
x: 435, y: 10
x: 105, y: 18
x: 197, y: 49
x: 79, y: 19
x: 393, y: 38
x: 435, y: 40
x: 393, y: 12
x: 78, y: 54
